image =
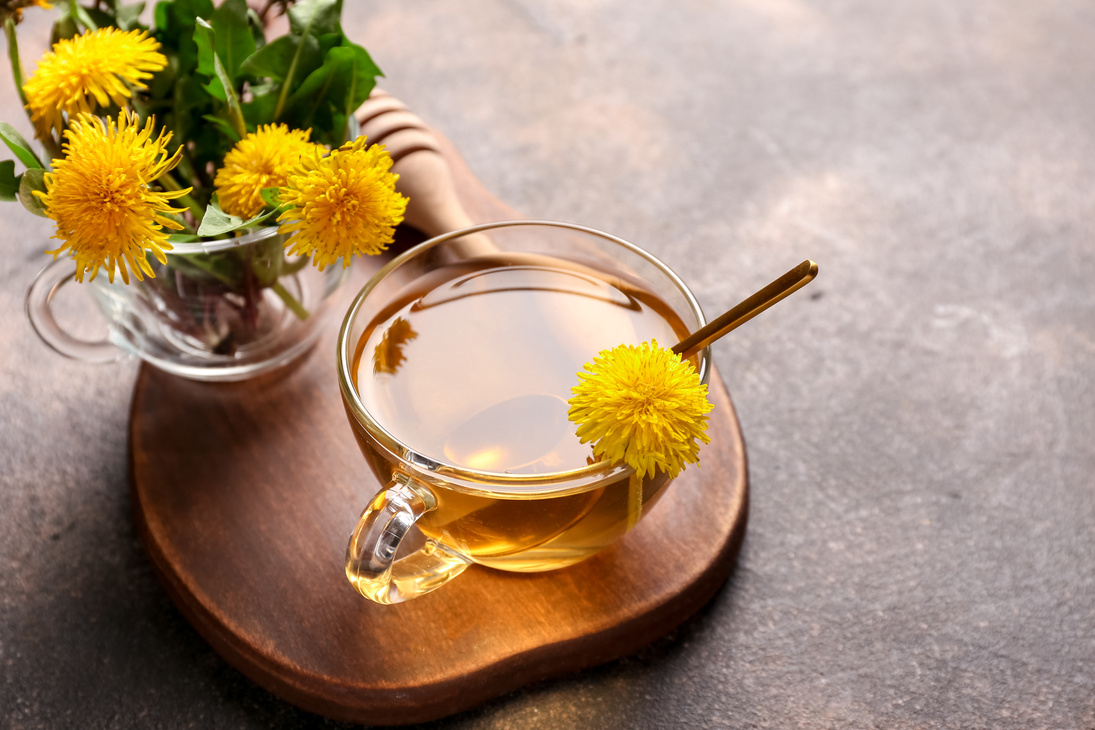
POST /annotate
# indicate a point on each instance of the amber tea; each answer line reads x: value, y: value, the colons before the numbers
x: 472, y: 366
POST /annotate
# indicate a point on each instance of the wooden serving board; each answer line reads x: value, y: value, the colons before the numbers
x: 246, y: 493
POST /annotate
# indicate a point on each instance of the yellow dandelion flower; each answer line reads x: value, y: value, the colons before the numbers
x: 342, y: 204
x: 262, y: 159
x: 99, y: 196
x: 643, y: 406
x: 89, y: 71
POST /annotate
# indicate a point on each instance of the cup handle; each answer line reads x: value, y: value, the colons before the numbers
x: 39, y: 308
x: 371, y: 557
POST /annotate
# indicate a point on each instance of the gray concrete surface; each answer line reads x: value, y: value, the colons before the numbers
x: 920, y: 421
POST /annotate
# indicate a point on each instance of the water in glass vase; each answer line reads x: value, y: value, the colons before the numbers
x: 472, y: 366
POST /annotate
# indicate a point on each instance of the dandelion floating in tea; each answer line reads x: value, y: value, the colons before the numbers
x: 644, y: 406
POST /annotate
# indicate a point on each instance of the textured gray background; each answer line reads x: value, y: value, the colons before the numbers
x: 919, y: 420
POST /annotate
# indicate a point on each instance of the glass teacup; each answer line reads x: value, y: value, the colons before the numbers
x: 455, y: 364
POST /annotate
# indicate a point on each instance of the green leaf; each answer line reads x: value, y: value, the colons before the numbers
x: 205, y: 38
x: 161, y: 15
x: 309, y: 19
x: 80, y: 13
x: 257, y: 31
x: 215, y: 89
x: 20, y: 147
x: 13, y: 57
x: 270, y: 197
x: 163, y: 82
x: 209, y: 63
x: 31, y: 180
x: 234, y: 42
x: 261, y: 89
x: 9, y: 182
x: 186, y: 102
x: 209, y: 145
x: 175, y: 29
x: 336, y: 89
x: 275, y: 59
x: 182, y: 238
x: 129, y: 16
x: 361, y: 78
x: 235, y: 111
x: 216, y: 222
x: 63, y: 28
x: 179, y: 15
x: 316, y: 17
x: 260, y: 110
x: 225, y: 128
x: 101, y: 19
x: 340, y: 131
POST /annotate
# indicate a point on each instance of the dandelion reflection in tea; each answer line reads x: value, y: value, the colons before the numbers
x: 456, y: 363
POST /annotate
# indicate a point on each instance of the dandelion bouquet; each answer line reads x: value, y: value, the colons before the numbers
x: 168, y: 147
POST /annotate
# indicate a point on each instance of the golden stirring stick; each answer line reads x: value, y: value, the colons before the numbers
x: 741, y: 313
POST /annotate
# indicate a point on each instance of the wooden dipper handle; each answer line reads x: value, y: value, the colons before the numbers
x: 425, y: 177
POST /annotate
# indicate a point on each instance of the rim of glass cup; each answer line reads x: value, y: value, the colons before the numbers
x: 222, y: 244
x: 469, y: 480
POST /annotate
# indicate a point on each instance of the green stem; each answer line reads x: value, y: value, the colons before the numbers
x: 284, y: 95
x: 170, y: 183
x: 13, y: 53
x: 290, y: 301
x: 322, y: 93
x: 199, y: 263
x: 287, y: 83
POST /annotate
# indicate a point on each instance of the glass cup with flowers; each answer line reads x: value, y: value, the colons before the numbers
x: 206, y: 182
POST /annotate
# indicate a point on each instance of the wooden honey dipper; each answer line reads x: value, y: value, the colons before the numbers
x: 426, y: 164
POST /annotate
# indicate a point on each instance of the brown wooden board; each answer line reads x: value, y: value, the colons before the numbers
x: 246, y: 493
